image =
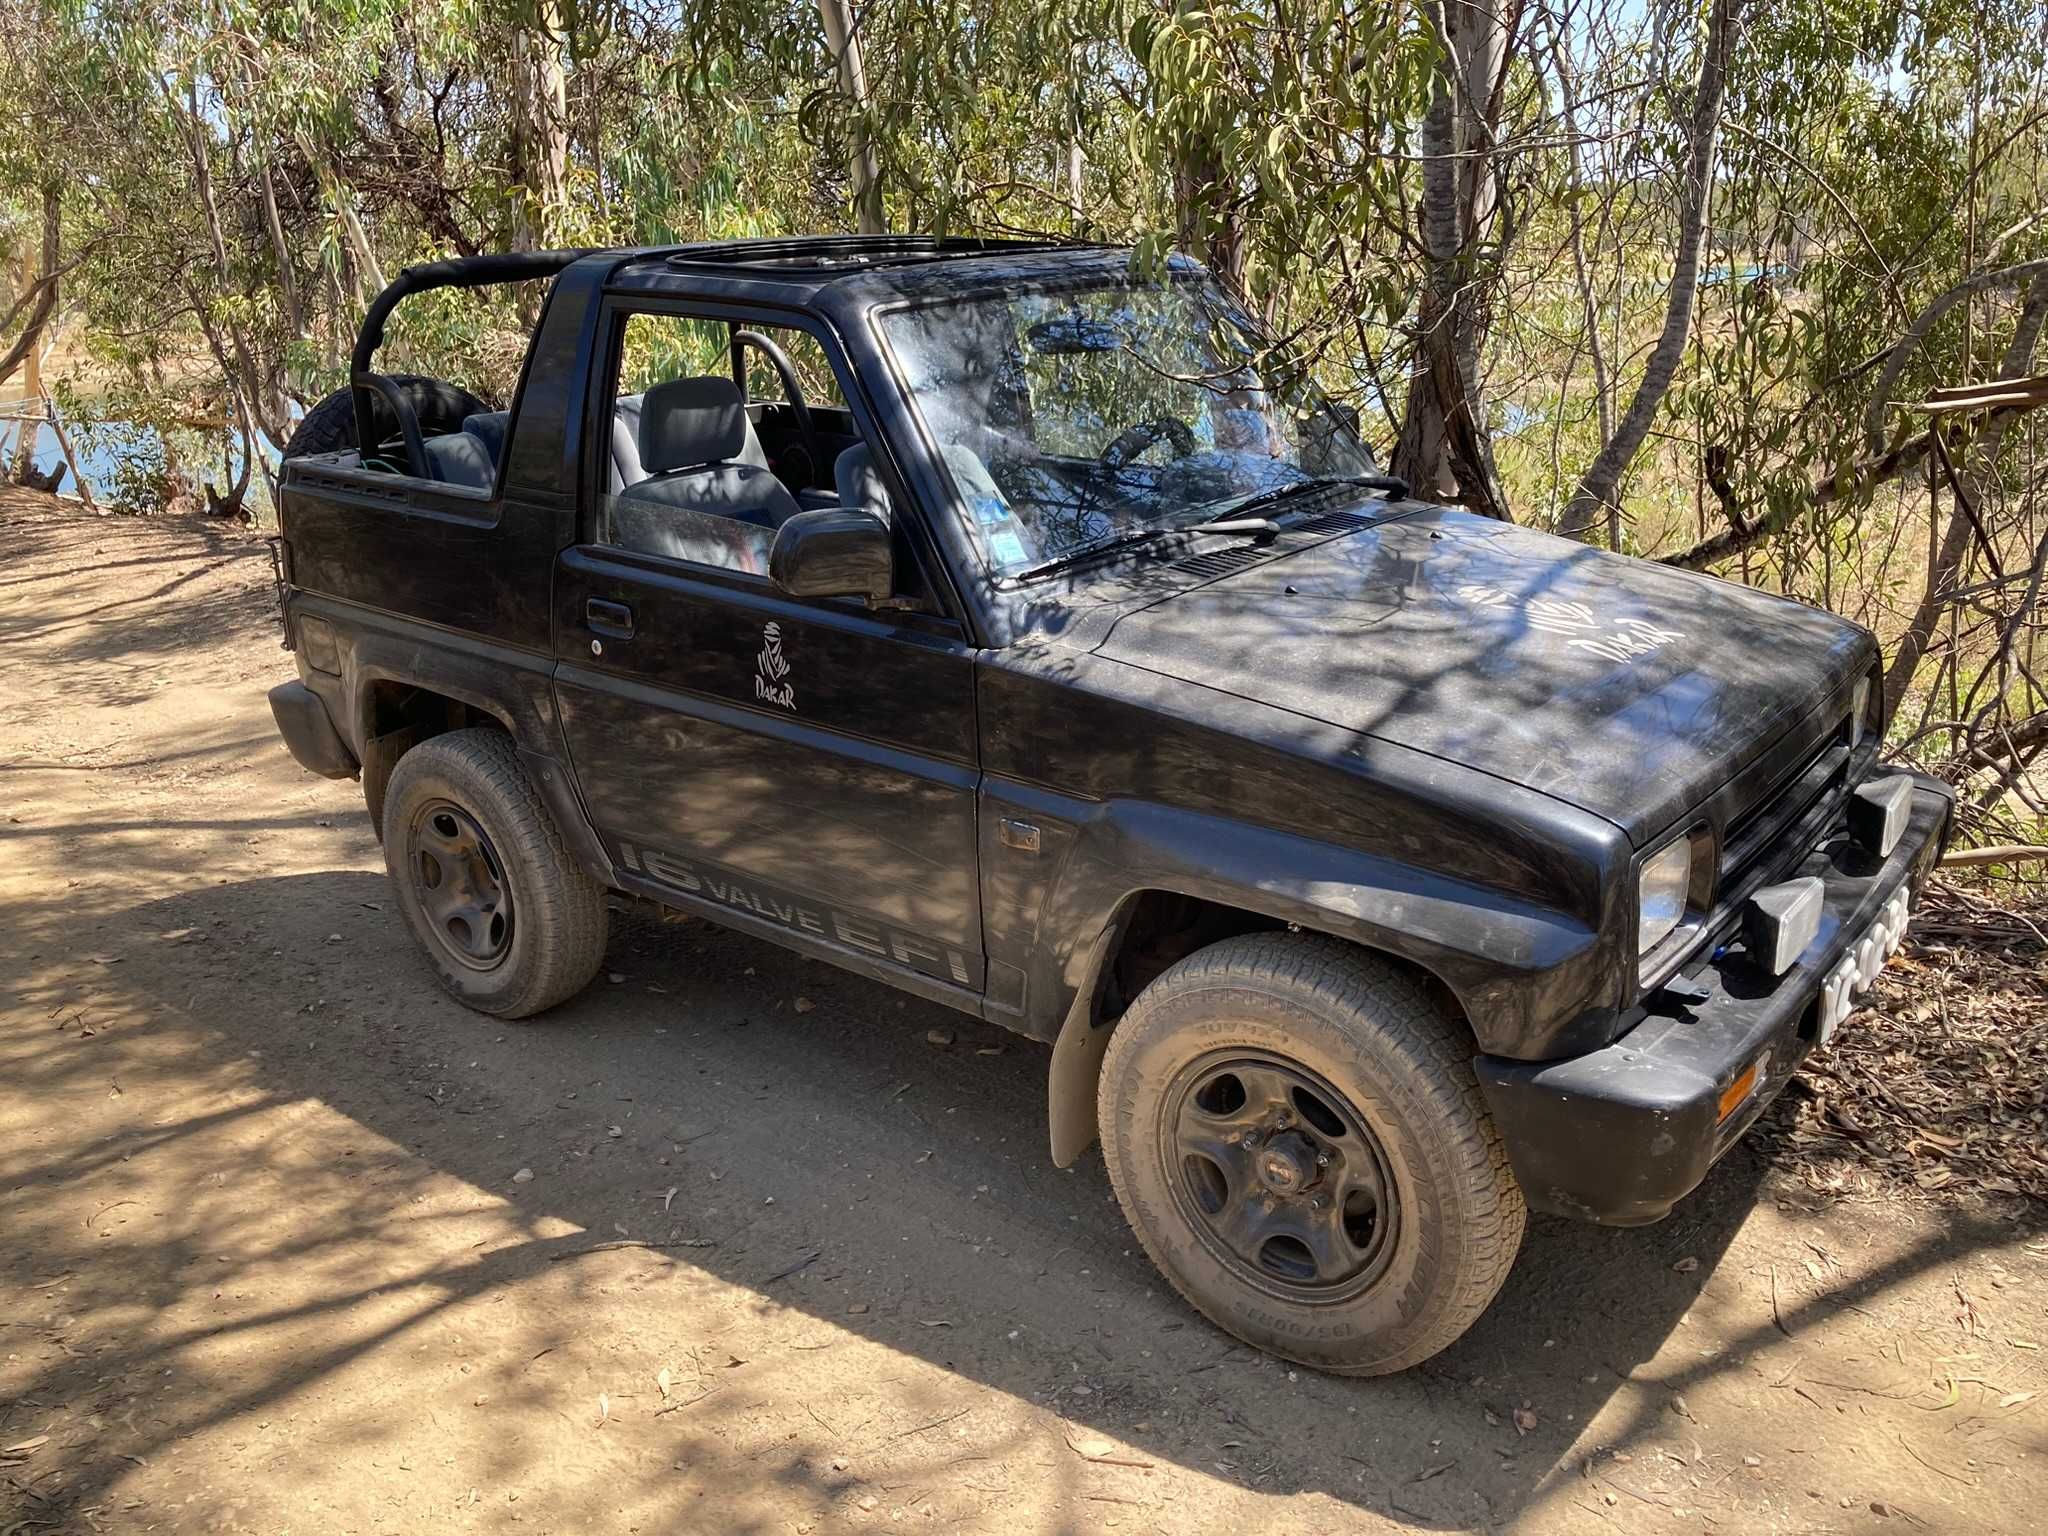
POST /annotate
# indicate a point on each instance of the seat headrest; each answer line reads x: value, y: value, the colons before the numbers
x: 489, y: 428
x: 688, y: 422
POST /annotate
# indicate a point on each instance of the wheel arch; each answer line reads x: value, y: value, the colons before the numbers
x: 1150, y: 929
x: 395, y: 714
x: 402, y: 691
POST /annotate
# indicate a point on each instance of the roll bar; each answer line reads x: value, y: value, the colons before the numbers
x: 460, y: 272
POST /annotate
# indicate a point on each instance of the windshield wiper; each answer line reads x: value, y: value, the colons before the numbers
x: 1129, y: 538
x: 1232, y: 524
x: 1390, y: 486
x: 1236, y: 520
x: 1132, y: 537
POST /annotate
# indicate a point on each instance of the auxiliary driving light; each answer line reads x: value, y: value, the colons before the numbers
x: 1877, y: 813
x: 1779, y: 921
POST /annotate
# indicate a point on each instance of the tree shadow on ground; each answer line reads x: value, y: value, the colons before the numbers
x: 906, y: 1180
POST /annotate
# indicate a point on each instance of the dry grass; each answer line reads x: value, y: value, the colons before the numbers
x: 1940, y: 1084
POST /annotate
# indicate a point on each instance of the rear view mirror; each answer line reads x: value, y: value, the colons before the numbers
x: 1073, y: 335
x: 836, y: 552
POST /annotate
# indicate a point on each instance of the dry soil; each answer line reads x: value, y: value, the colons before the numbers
x: 290, y: 1242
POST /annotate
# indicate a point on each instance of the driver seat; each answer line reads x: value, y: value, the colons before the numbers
x: 698, y: 450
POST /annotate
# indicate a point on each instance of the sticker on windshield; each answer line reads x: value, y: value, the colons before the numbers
x: 771, y: 670
x: 1006, y: 547
x: 1615, y: 639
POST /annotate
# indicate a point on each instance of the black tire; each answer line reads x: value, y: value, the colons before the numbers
x: 515, y: 925
x: 330, y: 426
x: 1373, y: 1057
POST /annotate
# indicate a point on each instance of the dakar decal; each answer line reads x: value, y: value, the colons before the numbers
x: 771, y: 670
x: 1583, y: 630
x: 709, y: 884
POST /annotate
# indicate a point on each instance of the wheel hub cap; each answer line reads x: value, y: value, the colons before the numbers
x: 1287, y: 1164
x: 461, y: 885
x: 1282, y: 1178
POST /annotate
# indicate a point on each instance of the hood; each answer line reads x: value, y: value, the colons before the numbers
x: 1628, y: 689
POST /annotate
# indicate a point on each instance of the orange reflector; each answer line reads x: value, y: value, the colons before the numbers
x: 1733, y: 1095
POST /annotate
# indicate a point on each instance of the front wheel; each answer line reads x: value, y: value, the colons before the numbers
x: 1296, y: 1135
x: 509, y: 920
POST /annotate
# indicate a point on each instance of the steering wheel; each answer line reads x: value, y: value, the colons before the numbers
x: 415, y: 445
x: 1134, y: 440
x: 806, y: 430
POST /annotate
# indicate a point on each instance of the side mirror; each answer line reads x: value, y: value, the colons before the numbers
x: 835, y: 552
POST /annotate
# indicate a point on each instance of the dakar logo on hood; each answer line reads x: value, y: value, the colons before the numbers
x: 772, y: 670
x: 1622, y: 639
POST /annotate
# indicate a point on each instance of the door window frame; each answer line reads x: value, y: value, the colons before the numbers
x: 618, y: 308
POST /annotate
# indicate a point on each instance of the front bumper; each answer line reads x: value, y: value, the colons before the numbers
x: 1620, y: 1135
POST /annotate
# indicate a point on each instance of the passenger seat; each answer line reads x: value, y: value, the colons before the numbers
x: 699, y: 451
x: 456, y: 458
x: 490, y: 429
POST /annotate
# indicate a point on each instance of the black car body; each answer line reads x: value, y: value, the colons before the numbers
x: 1450, y: 741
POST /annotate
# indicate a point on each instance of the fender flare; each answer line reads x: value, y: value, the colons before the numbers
x: 1489, y: 952
x: 513, y: 687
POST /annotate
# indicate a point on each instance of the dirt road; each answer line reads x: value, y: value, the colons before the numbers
x: 289, y: 1242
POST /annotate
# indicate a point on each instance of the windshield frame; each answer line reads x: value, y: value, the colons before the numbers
x: 1178, y: 272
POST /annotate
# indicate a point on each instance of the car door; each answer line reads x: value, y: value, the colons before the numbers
x: 805, y: 769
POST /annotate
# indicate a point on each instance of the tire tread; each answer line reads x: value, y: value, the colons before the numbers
x: 571, y: 923
x: 1339, y: 980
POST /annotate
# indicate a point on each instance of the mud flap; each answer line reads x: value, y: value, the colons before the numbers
x: 1077, y: 1060
x: 1070, y: 1083
x: 380, y: 756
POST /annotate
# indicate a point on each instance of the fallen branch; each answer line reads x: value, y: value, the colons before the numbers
x: 612, y: 1247
x: 2005, y: 853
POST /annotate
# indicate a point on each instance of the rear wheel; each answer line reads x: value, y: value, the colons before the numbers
x: 1295, y: 1133
x: 510, y: 922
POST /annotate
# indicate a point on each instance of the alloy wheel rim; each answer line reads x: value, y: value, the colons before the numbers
x: 460, y: 884
x: 1280, y: 1177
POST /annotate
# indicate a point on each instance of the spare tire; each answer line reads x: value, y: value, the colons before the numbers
x: 330, y: 427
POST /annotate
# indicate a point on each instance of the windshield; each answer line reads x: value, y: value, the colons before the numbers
x: 1075, y: 418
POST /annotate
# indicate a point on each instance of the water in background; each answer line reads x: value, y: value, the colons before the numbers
x: 102, y: 454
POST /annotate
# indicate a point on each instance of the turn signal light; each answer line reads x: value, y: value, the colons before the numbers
x: 1733, y: 1095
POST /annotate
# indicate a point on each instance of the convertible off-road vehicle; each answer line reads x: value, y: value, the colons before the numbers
x: 1014, y: 624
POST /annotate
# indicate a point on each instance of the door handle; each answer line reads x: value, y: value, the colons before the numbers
x: 614, y: 619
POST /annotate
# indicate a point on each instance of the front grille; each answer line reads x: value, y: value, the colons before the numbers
x: 1756, y: 829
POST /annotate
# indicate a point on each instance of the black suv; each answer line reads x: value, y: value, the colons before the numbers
x: 1014, y: 623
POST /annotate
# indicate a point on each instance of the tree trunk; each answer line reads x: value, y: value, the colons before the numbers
x: 238, y: 366
x: 1444, y: 447
x: 1596, y: 351
x: 368, y: 272
x: 287, y: 280
x: 1210, y: 225
x: 1599, y: 487
x: 44, y: 287
x: 1976, y: 469
x: 540, y: 133
x: 842, y: 41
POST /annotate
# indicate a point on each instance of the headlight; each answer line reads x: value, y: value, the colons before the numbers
x: 1859, y: 712
x: 1666, y: 879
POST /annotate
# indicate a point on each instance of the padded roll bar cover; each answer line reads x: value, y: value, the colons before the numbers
x: 459, y: 272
